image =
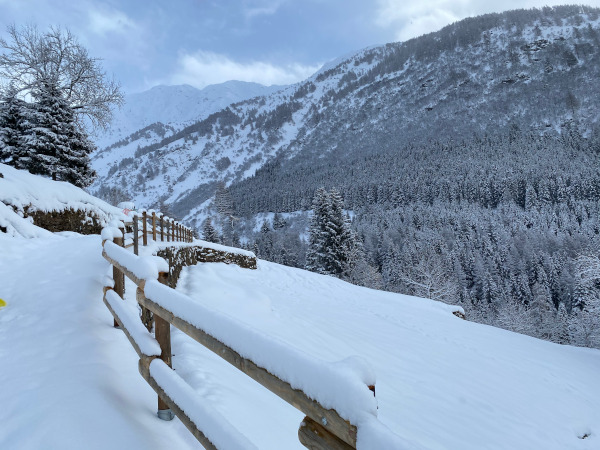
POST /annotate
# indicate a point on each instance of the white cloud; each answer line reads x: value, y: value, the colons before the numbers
x: 203, y: 68
x: 110, y: 21
x: 410, y: 18
x: 261, y: 8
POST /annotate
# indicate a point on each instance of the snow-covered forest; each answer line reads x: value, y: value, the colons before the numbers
x: 495, y: 224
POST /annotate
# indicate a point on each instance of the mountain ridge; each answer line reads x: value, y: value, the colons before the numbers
x: 175, y: 106
x: 474, y: 76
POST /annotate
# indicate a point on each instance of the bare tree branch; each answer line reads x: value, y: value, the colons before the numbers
x: 34, y: 61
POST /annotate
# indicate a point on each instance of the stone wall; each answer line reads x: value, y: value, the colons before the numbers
x: 67, y: 220
x: 179, y: 257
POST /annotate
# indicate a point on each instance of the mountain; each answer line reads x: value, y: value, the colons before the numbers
x: 532, y: 68
x: 148, y: 116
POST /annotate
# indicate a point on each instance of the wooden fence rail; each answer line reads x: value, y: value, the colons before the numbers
x: 323, y: 428
x: 155, y: 224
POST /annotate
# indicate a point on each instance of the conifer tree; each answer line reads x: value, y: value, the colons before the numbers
x: 332, y: 244
x: 12, y: 113
x: 52, y: 143
x: 209, y: 233
x: 50, y: 84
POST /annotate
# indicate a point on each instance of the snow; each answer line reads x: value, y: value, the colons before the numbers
x: 145, y: 268
x: 69, y: 380
x: 21, y: 191
x: 177, y: 106
x: 442, y: 382
x: 212, y: 424
x: 16, y: 225
x: 131, y: 321
x: 334, y: 386
x: 110, y: 233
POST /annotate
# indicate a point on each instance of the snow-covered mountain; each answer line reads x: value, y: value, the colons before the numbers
x: 532, y: 68
x: 175, y: 106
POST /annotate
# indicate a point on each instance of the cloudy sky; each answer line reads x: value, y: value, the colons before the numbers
x: 200, y: 42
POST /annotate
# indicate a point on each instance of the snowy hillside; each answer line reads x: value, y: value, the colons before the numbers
x: 476, y: 76
x: 70, y: 380
x: 22, y: 194
x: 174, y: 107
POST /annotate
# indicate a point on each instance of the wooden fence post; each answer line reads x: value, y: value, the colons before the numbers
x: 145, y: 228
x: 173, y: 230
x: 118, y: 276
x: 162, y: 333
x: 162, y: 230
x: 136, y: 238
x: 145, y: 315
x: 153, y: 226
x: 168, y: 232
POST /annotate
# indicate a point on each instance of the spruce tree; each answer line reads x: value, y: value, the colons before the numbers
x: 52, y: 142
x: 332, y: 244
x: 209, y: 233
x: 12, y: 113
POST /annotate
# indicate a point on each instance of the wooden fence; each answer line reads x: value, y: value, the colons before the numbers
x: 322, y: 428
x: 159, y: 226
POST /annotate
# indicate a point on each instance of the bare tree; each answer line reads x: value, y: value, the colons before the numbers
x: 429, y: 278
x: 33, y: 62
x: 589, y: 267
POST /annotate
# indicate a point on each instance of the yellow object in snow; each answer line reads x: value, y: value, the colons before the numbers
x: 2, y: 303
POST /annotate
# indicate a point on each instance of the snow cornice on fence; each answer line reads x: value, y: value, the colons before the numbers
x: 337, y: 397
x: 141, y: 340
x: 135, y: 267
x: 218, y: 433
x: 341, y: 386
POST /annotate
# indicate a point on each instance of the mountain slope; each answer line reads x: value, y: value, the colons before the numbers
x: 442, y: 382
x: 475, y: 76
x: 149, y: 116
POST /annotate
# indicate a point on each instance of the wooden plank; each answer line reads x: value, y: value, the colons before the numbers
x: 162, y: 230
x: 315, y: 437
x: 144, y: 368
x: 136, y: 237
x: 119, y: 278
x: 145, y: 228
x: 153, y: 226
x: 162, y: 332
x: 329, y: 418
x: 125, y: 330
x: 146, y: 315
x: 138, y: 281
x: 173, y: 230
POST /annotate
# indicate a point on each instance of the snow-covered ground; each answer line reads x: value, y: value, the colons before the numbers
x: 70, y: 381
x: 22, y: 192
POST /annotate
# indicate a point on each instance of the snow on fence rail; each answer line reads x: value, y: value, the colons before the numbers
x: 336, y: 398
